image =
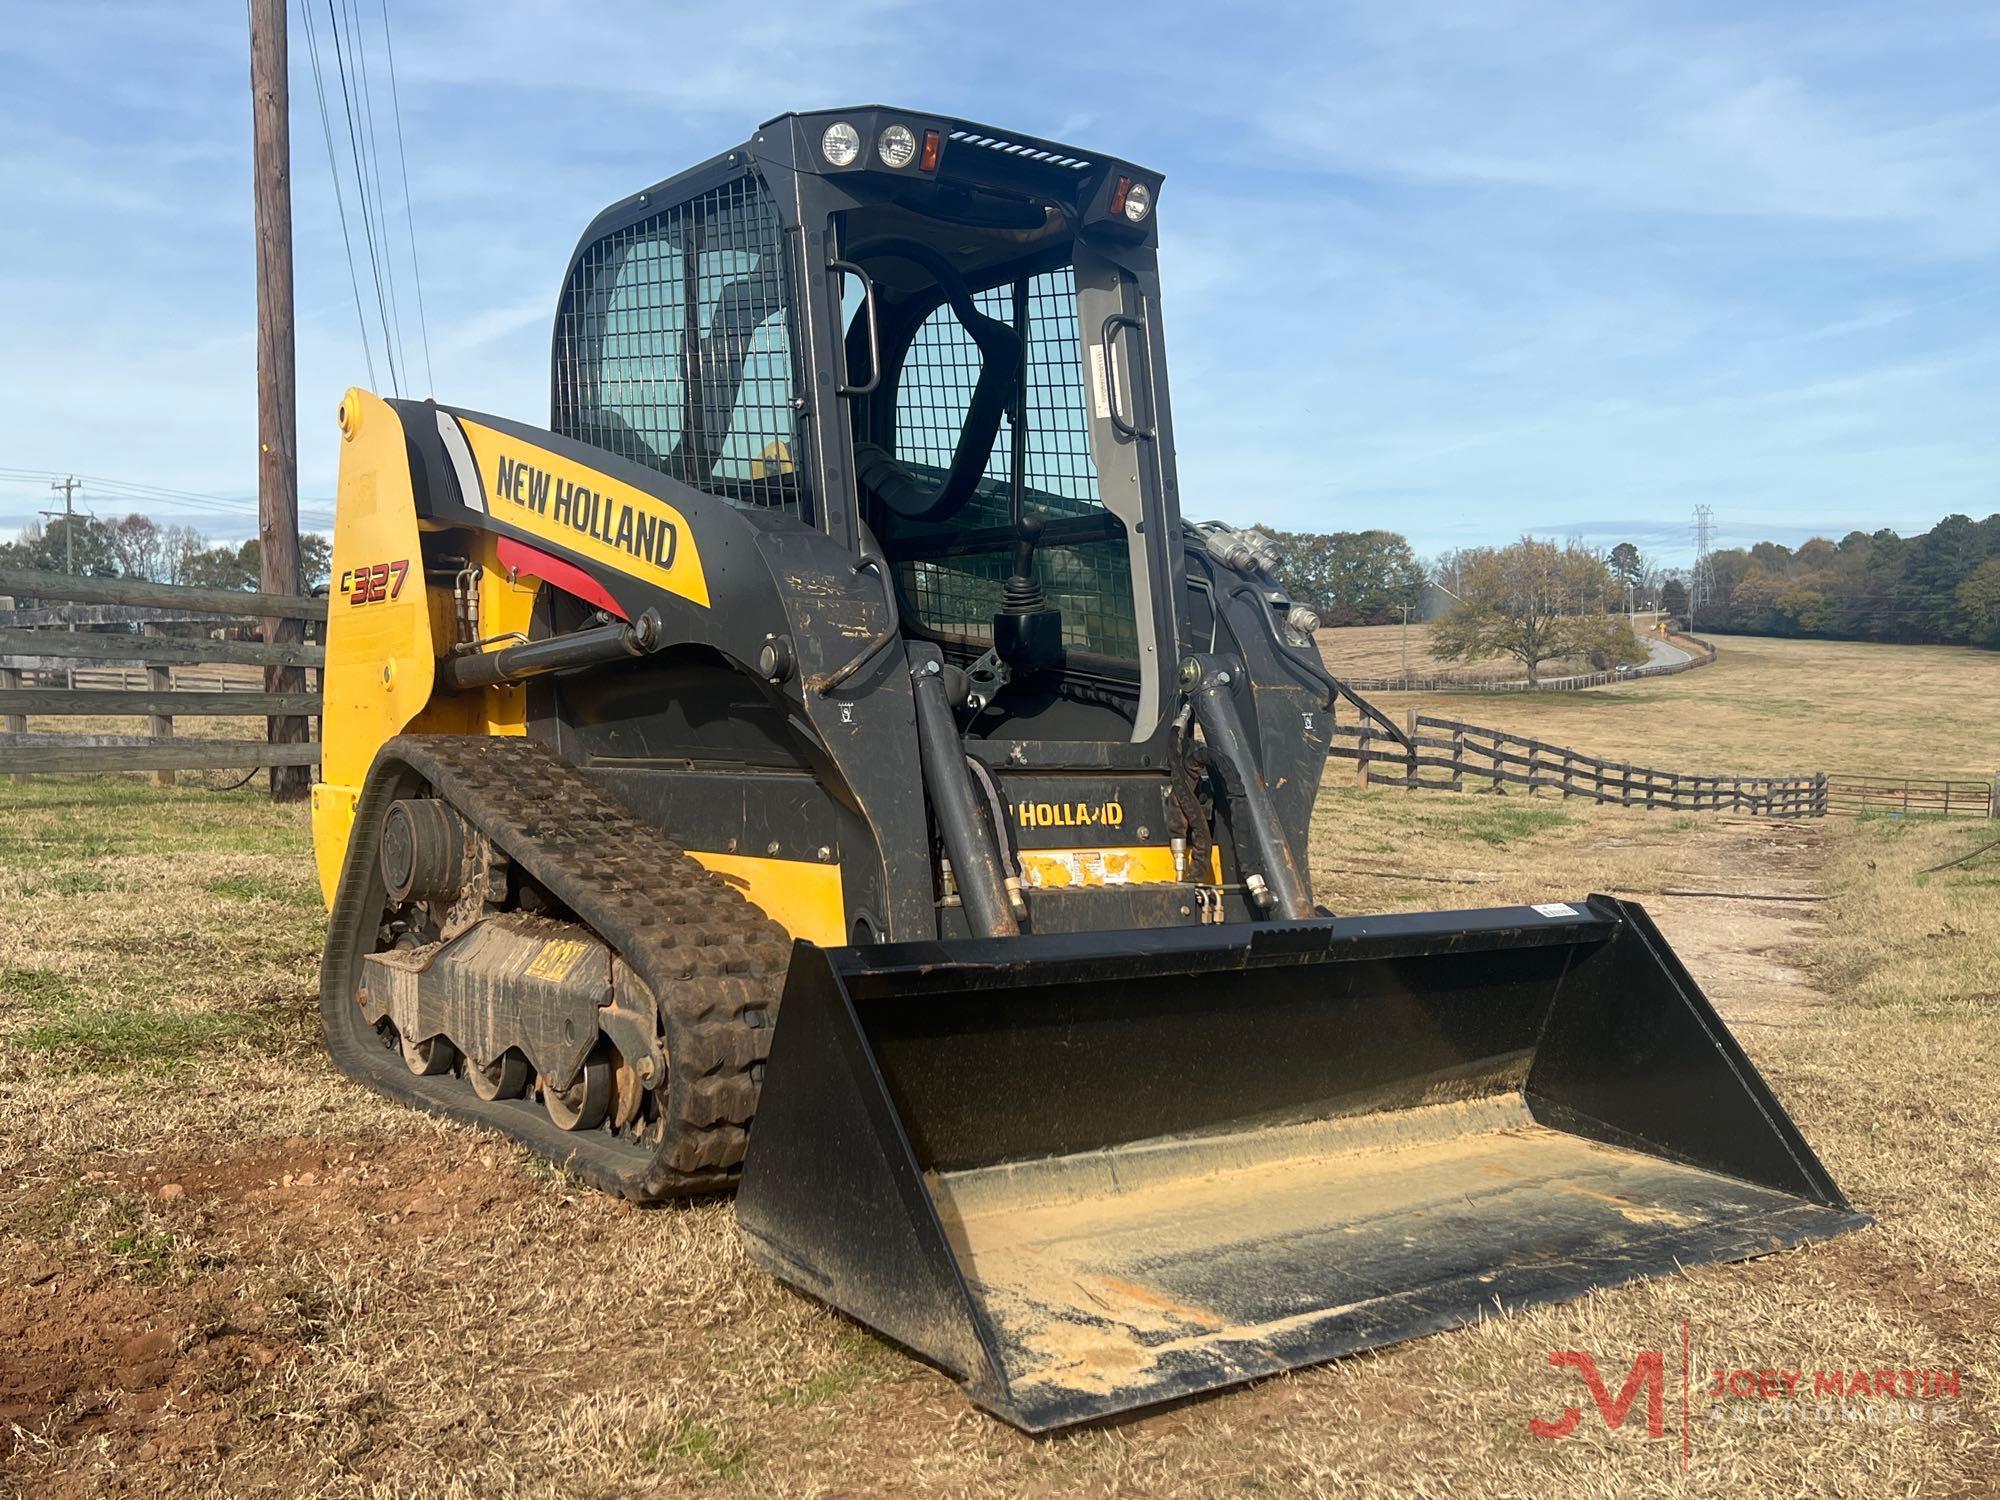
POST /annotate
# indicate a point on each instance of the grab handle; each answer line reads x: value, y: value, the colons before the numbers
x: 848, y: 267
x: 1107, y: 335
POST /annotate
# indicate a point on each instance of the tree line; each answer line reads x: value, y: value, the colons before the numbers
x: 1942, y: 586
x: 1348, y: 577
x: 139, y: 547
x: 1533, y: 601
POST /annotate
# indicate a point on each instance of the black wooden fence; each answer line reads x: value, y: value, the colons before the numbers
x: 1444, y: 754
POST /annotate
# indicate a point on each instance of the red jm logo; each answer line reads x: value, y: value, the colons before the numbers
x: 1648, y: 1372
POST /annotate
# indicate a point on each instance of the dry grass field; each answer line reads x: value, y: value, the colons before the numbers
x: 1769, y: 707
x: 223, y: 1269
x: 1381, y: 651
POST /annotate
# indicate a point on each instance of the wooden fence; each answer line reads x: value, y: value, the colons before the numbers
x: 1701, y: 653
x: 1444, y: 754
x: 83, y: 656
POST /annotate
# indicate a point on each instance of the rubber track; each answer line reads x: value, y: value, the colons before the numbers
x: 715, y: 962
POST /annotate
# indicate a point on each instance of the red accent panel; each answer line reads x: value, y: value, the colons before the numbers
x: 566, y: 576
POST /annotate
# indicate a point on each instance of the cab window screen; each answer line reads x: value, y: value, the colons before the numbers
x: 1089, y: 581
x: 674, y: 349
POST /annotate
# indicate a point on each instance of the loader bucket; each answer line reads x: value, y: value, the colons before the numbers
x: 1087, y: 1173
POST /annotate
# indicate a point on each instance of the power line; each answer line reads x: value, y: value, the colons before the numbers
x: 203, y: 507
x: 409, y: 213
x: 358, y: 40
x: 339, y: 197
x: 116, y: 489
x: 361, y: 188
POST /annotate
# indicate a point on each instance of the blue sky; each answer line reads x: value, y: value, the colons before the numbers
x: 1462, y: 271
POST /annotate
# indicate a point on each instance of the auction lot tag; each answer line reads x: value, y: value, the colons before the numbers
x: 1554, y: 909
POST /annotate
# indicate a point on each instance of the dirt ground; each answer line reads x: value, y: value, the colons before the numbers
x: 224, y: 1270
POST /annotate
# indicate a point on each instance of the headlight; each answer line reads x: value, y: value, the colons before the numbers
x: 896, y: 146
x: 840, y: 144
x: 1138, y: 202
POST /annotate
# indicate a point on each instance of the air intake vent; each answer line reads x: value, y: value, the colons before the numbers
x: 1026, y: 153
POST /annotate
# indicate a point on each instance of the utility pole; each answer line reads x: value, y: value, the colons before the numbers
x: 67, y: 488
x: 1406, y: 645
x: 277, y: 421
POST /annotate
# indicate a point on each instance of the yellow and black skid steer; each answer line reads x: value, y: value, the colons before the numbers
x: 822, y: 763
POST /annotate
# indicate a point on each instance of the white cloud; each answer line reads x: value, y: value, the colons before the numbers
x: 1462, y: 268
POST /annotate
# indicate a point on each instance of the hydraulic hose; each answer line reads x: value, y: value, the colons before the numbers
x: 975, y: 859
x: 1261, y: 848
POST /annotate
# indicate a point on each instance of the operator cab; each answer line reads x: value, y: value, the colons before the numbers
x: 978, y: 473
x: 937, y: 342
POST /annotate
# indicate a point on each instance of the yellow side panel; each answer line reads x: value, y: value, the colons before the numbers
x: 380, y: 661
x: 1147, y: 865
x: 585, y: 512
x: 799, y: 895
x: 506, y: 607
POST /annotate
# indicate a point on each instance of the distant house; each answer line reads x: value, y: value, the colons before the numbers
x: 1436, y: 601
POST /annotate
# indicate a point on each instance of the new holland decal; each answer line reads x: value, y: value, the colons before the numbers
x: 1070, y: 814
x: 587, y: 513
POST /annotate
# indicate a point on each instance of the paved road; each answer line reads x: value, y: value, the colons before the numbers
x: 1661, y: 653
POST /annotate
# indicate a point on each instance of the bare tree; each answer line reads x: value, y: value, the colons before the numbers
x: 1532, y: 601
x: 139, y: 546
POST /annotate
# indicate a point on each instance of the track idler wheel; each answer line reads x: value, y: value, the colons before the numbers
x: 506, y: 1077
x: 427, y: 850
x: 586, y: 1103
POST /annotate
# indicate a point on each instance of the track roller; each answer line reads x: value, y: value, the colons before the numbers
x: 586, y: 1103
x: 506, y: 1077
x: 429, y: 1059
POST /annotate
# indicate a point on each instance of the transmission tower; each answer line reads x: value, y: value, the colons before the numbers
x: 1701, y: 587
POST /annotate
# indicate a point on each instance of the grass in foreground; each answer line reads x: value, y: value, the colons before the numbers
x: 152, y: 929
x: 243, y: 1274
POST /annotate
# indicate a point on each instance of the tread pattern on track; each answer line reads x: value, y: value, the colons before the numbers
x: 712, y: 959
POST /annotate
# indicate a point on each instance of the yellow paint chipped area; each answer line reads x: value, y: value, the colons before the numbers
x: 1057, y: 869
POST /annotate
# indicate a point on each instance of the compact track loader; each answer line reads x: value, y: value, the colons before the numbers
x: 823, y: 763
